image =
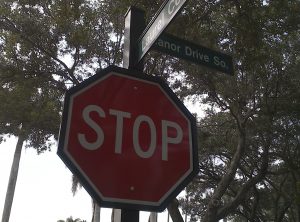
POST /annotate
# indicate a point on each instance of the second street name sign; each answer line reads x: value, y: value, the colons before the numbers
x: 165, y: 14
x: 194, y: 53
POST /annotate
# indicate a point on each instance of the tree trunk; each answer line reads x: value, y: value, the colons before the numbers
x: 174, y: 211
x: 116, y: 215
x: 213, y: 206
x: 96, y: 213
x: 152, y: 217
x: 12, y: 180
x: 298, y: 212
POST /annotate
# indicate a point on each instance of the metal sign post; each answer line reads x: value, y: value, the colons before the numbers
x: 130, y: 215
x: 134, y: 26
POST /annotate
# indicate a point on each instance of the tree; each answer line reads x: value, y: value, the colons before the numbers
x: 29, y: 111
x: 36, y: 36
x: 246, y: 131
x: 70, y: 219
x: 244, y: 139
x: 96, y: 208
x: 35, y: 39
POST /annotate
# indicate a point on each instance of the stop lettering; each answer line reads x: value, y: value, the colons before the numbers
x: 128, y: 139
x: 119, y: 128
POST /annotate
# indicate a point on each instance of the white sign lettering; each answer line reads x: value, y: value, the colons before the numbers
x: 100, y: 135
x: 120, y: 115
x: 173, y: 5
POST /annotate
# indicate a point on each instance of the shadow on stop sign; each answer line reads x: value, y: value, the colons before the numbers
x: 128, y: 139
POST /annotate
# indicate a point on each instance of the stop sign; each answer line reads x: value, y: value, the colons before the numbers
x: 129, y: 139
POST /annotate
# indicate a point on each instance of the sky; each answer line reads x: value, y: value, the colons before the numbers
x: 43, y: 190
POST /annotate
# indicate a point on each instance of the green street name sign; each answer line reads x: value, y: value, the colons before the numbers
x: 163, y: 17
x: 194, y: 53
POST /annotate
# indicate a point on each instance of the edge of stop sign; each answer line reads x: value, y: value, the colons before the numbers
x: 85, y: 180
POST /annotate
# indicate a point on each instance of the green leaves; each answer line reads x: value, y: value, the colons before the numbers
x: 70, y: 219
x: 30, y: 103
x: 48, y: 46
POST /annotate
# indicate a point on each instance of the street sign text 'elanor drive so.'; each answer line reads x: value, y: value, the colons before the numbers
x: 195, y: 53
x: 164, y: 16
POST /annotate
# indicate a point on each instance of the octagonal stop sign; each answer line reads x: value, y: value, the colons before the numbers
x: 129, y: 139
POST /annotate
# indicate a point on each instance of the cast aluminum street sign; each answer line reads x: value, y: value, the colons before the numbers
x: 194, y: 53
x: 129, y: 140
x: 157, y: 25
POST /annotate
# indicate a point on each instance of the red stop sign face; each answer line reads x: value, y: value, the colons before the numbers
x: 129, y: 140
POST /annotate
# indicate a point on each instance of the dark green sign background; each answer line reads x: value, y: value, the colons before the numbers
x: 194, y: 53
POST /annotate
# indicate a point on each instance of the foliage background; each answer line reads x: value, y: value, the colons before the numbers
x: 249, y: 149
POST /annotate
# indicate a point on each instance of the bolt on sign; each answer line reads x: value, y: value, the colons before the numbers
x: 129, y: 139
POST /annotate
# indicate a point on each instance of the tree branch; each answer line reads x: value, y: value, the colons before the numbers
x: 250, y: 183
x: 174, y: 211
x: 214, y: 203
x: 10, y: 26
